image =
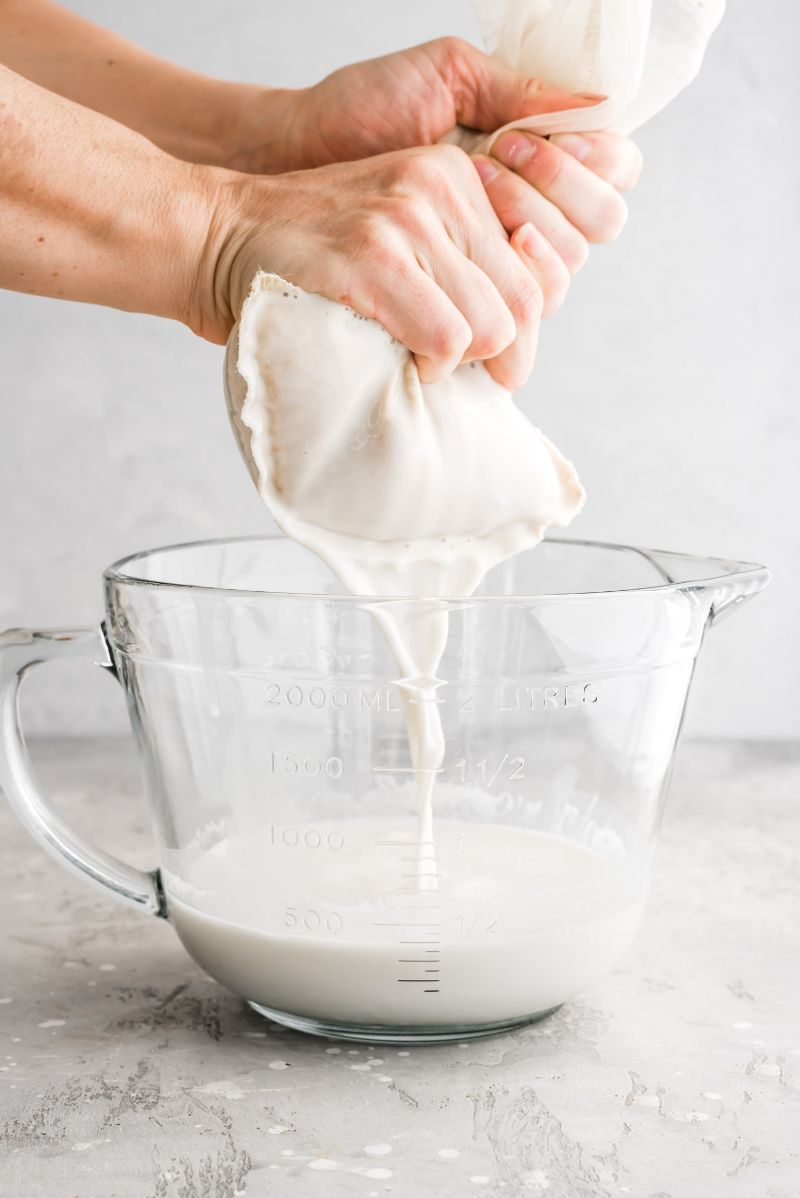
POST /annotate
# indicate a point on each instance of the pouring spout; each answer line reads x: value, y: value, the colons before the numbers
x: 729, y: 594
x: 721, y: 583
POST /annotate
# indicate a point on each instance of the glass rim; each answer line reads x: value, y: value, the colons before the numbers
x: 730, y: 571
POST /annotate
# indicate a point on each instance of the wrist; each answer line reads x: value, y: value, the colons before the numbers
x: 215, y: 278
x: 258, y: 128
x: 162, y: 233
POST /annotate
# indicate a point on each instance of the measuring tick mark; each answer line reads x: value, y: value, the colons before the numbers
x: 403, y: 769
x: 406, y: 844
x: 430, y: 991
x: 422, y: 980
x: 405, y: 924
x: 430, y: 940
x: 413, y: 961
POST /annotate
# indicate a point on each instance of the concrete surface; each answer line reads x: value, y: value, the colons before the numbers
x: 669, y: 376
x: 126, y: 1073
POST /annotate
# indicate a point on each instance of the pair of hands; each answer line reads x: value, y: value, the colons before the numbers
x: 457, y: 257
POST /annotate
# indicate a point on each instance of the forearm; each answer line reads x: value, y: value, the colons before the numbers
x: 189, y: 115
x: 91, y: 211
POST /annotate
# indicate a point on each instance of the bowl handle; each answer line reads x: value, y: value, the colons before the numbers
x: 20, y: 650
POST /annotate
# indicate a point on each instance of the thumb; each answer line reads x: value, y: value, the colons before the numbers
x: 488, y: 94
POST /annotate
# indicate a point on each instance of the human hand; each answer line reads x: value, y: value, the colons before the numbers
x: 567, y: 187
x: 410, y: 98
x: 408, y: 238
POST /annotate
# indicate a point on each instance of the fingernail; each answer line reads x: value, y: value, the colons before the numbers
x: 574, y: 144
x: 531, y: 241
x: 514, y: 149
x: 486, y: 169
x: 595, y: 96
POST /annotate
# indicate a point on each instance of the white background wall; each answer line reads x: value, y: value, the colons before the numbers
x: 669, y: 377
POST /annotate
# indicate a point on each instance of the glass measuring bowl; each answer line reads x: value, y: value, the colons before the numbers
x: 269, y: 718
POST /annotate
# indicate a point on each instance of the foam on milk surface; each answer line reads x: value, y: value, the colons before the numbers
x: 521, y: 921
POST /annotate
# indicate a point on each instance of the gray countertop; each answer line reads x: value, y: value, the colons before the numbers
x: 127, y: 1073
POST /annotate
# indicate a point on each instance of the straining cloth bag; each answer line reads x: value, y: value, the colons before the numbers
x: 638, y: 53
x: 402, y: 487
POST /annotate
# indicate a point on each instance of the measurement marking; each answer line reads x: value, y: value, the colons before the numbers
x: 422, y: 981
x: 430, y: 991
x: 413, y: 960
x: 430, y: 940
x: 496, y: 773
x: 406, y: 923
x: 404, y: 769
x: 415, y: 856
x: 406, y: 844
x: 433, y: 971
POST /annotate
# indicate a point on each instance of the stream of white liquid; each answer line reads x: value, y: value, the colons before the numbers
x: 422, y: 719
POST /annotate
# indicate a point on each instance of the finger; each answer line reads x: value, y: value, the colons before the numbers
x: 519, y: 291
x: 475, y: 296
x: 488, y: 94
x: 416, y: 312
x: 511, y: 368
x: 543, y: 262
x: 546, y: 266
x: 441, y: 190
x: 516, y: 203
x: 590, y: 204
x: 437, y: 207
x: 616, y: 159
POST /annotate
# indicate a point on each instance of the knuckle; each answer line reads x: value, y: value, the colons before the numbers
x: 449, y: 338
x: 608, y: 218
x: 404, y: 170
x: 491, y: 338
x: 548, y: 164
x: 368, y: 229
x: 535, y: 87
x: 526, y: 299
x: 446, y: 157
x: 454, y: 47
x: 370, y: 240
x: 411, y: 213
x: 425, y: 169
x: 574, y: 253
